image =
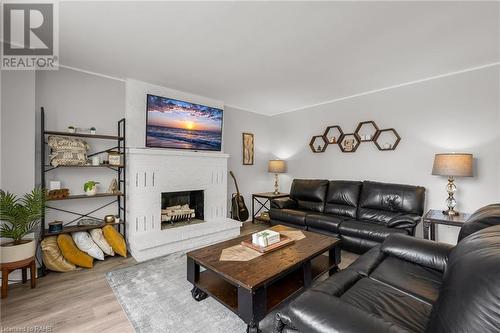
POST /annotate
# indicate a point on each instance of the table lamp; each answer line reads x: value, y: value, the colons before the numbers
x: 452, y: 165
x: 276, y: 167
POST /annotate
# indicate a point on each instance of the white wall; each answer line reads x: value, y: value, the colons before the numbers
x: 17, y: 131
x: 251, y: 178
x: 458, y: 113
x: 82, y: 100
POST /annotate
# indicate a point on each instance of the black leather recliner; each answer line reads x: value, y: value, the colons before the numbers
x: 362, y: 214
x: 410, y: 285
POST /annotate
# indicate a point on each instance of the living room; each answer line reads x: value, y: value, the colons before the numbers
x: 363, y: 136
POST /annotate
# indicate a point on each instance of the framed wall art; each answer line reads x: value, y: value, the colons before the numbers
x: 248, y: 148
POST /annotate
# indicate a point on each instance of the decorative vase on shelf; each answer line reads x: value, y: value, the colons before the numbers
x: 91, y: 192
x: 90, y: 187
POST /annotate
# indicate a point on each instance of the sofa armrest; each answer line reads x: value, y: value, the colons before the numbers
x: 423, y: 252
x: 404, y: 221
x: 316, y: 312
x: 283, y: 203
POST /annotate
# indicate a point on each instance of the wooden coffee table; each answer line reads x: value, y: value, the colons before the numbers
x: 251, y: 289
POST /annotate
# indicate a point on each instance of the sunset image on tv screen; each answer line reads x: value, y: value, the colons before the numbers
x: 177, y: 124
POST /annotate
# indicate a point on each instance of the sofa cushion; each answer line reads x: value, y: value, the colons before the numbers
x: 368, y: 230
x: 419, y: 251
x: 342, y: 198
x: 357, y: 245
x: 388, y: 303
x: 283, y: 203
x: 380, y: 202
x: 327, y: 222
x: 418, y: 281
x: 470, y: 298
x: 292, y: 216
x: 309, y: 193
x: 484, y: 217
x: 316, y: 312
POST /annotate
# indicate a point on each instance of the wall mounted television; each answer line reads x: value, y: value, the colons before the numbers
x: 171, y: 123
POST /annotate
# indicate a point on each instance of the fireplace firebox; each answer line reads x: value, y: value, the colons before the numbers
x: 184, y: 206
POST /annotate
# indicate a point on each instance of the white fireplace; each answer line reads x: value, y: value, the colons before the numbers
x: 152, y: 172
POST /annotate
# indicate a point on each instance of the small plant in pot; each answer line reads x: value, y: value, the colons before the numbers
x: 92, y: 130
x: 71, y: 129
x: 90, y: 187
x: 20, y: 216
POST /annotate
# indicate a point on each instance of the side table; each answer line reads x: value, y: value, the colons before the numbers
x: 435, y: 216
x: 262, y: 204
x: 6, y: 268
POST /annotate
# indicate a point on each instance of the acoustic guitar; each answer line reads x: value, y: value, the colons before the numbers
x: 238, y: 207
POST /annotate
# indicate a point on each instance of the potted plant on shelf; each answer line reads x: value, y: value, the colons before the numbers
x: 90, y: 187
x: 71, y: 129
x: 20, y: 216
x: 92, y: 130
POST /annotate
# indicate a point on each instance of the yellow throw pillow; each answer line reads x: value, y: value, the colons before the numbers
x: 71, y: 252
x: 52, y: 256
x: 115, y: 239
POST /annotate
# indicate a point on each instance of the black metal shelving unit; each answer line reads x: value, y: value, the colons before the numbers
x: 118, y: 199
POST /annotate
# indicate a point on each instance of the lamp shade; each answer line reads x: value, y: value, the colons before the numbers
x: 452, y: 164
x: 276, y: 166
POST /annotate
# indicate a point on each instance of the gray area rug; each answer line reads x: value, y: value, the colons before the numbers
x: 156, y: 298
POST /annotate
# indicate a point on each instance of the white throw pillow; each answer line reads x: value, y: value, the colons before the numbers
x: 85, y: 243
x: 103, y: 244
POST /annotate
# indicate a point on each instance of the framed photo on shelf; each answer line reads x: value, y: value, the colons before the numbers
x: 248, y: 148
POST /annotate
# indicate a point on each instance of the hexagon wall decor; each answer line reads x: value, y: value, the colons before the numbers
x: 349, y: 143
x: 366, y: 131
x: 387, y: 139
x: 333, y: 134
x: 318, y: 144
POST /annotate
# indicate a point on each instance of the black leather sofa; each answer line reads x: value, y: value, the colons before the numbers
x: 410, y: 285
x: 362, y: 214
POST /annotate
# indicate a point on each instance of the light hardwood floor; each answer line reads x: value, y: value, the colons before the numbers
x: 79, y: 301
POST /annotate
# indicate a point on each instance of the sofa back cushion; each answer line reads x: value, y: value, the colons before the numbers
x: 342, y: 198
x: 379, y: 202
x: 469, y: 298
x: 309, y: 193
x: 484, y: 217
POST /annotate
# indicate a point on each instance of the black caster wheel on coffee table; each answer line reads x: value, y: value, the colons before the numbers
x: 253, y: 328
x: 198, y: 294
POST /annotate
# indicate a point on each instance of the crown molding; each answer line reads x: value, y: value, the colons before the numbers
x: 92, y: 73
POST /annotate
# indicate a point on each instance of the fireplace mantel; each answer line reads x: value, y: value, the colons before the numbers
x: 176, y: 152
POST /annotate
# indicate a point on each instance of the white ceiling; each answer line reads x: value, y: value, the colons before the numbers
x: 273, y: 57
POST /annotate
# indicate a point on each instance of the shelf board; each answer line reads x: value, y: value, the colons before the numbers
x: 86, y: 135
x: 87, y: 166
x: 75, y: 228
x: 84, y: 196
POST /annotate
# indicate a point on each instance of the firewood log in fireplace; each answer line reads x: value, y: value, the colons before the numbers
x: 177, y: 213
